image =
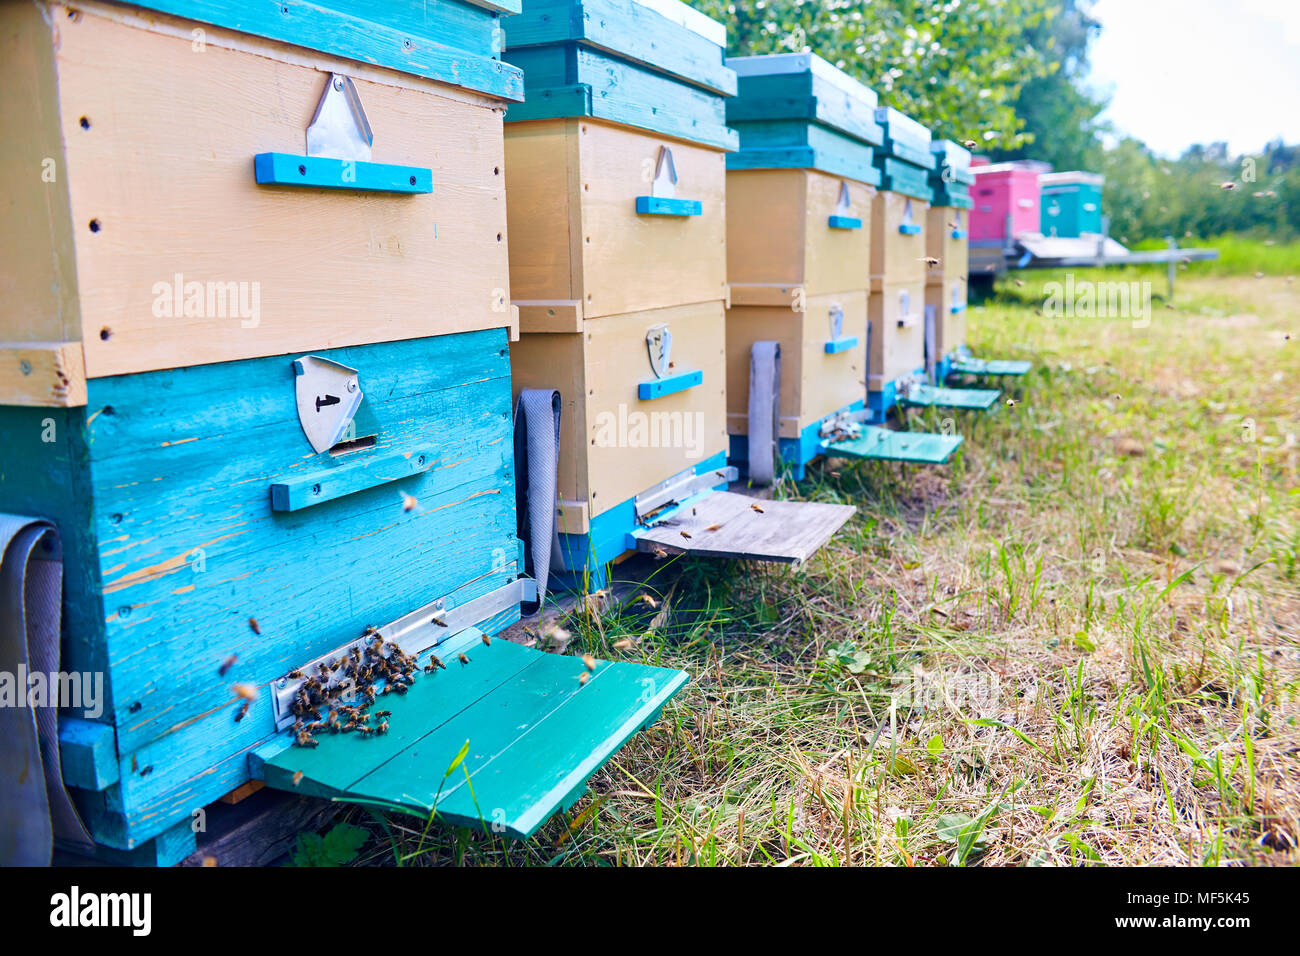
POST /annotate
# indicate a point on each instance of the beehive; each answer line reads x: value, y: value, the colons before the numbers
x: 898, y: 249
x: 256, y: 371
x: 800, y: 193
x: 947, y: 239
x: 616, y: 193
x: 1006, y: 201
x: 1071, y: 204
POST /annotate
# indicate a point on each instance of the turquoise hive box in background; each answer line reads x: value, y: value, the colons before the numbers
x: 255, y: 371
x: 1071, y: 204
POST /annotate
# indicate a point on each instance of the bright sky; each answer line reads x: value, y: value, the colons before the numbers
x: 1188, y: 71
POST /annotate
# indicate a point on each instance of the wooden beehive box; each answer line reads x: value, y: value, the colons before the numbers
x: 898, y: 249
x: 1071, y: 203
x: 800, y: 193
x: 207, y: 223
x: 948, y: 240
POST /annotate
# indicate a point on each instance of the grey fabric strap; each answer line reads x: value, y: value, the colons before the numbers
x: 931, y: 360
x: 537, y: 465
x: 34, y: 806
x: 764, y: 411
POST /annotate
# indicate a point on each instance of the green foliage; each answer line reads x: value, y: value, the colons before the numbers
x: 338, y: 847
x: 956, y: 67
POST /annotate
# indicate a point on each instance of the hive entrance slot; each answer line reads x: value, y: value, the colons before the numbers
x: 353, y: 444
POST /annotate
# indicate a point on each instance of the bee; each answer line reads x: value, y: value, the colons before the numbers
x: 383, y: 713
x: 583, y: 678
x: 462, y: 658
x: 685, y: 534
x: 954, y: 225
x: 437, y: 661
x: 440, y: 622
x: 1012, y: 403
x: 305, y: 739
x: 969, y: 143
x: 408, y: 502
x: 648, y: 600
x: 243, y: 712
x: 401, y: 687
x: 1228, y: 186
x: 487, y: 640
x: 257, y: 628
x: 350, y: 726
x: 382, y: 728
x: 246, y: 691
x: 333, y: 722
x: 659, y: 553
x: 758, y: 509
x: 369, y: 695
x: 589, y: 662
x: 365, y: 731
x: 626, y: 644
x: 295, y: 675
x: 930, y: 261
x: 297, y: 778
x: 1019, y: 283
x: 713, y: 527
x: 228, y: 663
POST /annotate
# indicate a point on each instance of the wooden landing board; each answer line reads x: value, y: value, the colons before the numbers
x: 535, y: 735
x: 978, y: 366
x: 885, y: 444
x: 931, y: 396
x: 783, y: 531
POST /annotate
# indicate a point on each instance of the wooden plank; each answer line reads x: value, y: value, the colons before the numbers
x: 777, y: 295
x: 242, y: 793
x: 557, y: 315
x: 534, y: 731
x: 631, y: 262
x: 884, y: 444
x: 932, y: 396
x: 782, y: 531
x: 317, y: 487
x: 896, y: 350
x: 631, y: 444
x: 322, y: 172
x: 51, y: 374
x: 258, y: 831
x: 317, y: 261
x: 38, y: 283
x: 947, y: 239
x: 991, y: 367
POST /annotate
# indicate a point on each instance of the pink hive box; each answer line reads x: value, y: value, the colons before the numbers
x: 1001, y: 190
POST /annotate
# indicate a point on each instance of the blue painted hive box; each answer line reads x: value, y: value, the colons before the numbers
x: 256, y: 377
x: 1071, y: 203
x: 799, y: 194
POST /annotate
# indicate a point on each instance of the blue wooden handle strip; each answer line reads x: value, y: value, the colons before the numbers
x: 845, y: 222
x: 319, y: 172
x: 959, y: 233
x: 958, y: 308
x: 328, y: 484
x: 655, y: 206
x: 909, y: 229
x: 843, y: 344
x: 669, y: 384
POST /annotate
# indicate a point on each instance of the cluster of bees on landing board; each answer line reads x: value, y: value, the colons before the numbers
x: 371, y: 664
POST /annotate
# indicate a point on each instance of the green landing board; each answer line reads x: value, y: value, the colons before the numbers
x: 535, y: 735
x: 888, y: 445
x: 976, y: 366
x: 935, y: 396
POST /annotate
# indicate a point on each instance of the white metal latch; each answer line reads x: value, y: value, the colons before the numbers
x: 340, y: 130
x: 328, y: 395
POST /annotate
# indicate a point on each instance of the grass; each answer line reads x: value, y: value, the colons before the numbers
x: 1079, y: 643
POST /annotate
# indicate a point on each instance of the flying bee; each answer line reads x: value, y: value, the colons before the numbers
x: 758, y: 509
x: 685, y: 534
x: 246, y: 691
x: 589, y: 662
x: 583, y: 678
x: 243, y: 712
x: 930, y: 261
x: 297, y: 778
x: 969, y: 143
x: 228, y: 663
x: 462, y: 658
x: 1230, y: 185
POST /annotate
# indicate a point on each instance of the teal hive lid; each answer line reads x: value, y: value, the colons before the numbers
x: 655, y: 65
x: 905, y: 138
x: 806, y: 88
x: 453, y: 42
